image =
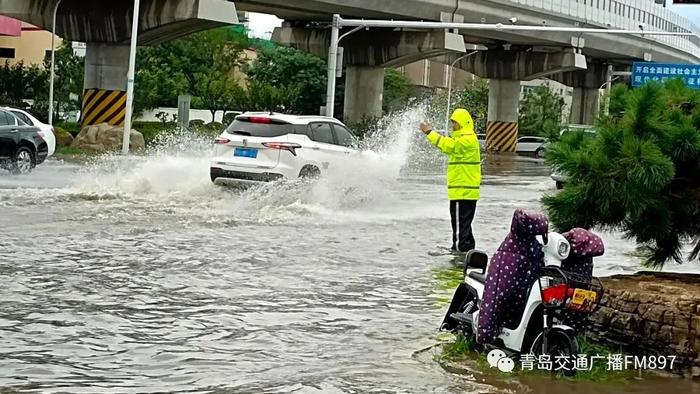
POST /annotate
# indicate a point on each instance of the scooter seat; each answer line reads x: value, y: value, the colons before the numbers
x: 481, y: 278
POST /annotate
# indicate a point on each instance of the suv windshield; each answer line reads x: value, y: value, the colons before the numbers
x: 259, y: 129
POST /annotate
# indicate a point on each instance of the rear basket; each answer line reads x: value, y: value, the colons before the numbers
x: 567, y: 290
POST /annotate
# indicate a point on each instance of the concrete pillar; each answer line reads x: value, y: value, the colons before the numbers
x: 584, y: 106
x: 364, y: 90
x: 502, y: 125
x: 104, y: 88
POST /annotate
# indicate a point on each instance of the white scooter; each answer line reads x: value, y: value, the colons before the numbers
x: 540, y: 330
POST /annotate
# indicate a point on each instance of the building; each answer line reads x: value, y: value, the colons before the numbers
x: 10, y: 27
x: 31, y: 46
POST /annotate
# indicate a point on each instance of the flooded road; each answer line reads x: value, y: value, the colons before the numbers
x: 139, y: 275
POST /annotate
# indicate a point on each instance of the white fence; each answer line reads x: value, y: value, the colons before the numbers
x: 195, y: 114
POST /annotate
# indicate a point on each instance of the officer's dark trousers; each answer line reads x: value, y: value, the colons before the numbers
x: 462, y: 214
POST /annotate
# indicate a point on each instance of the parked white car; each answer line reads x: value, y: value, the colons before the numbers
x: 532, y: 146
x: 261, y: 147
x: 46, y: 131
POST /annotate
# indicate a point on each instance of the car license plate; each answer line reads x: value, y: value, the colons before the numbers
x: 583, y: 299
x: 245, y: 152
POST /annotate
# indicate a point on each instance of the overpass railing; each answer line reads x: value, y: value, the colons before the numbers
x: 625, y: 14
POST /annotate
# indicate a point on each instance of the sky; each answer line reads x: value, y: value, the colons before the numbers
x: 690, y: 11
x: 261, y: 25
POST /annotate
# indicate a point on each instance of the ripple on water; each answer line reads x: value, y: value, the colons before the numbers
x: 137, y: 274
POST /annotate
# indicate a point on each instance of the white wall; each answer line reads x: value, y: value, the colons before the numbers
x: 201, y: 114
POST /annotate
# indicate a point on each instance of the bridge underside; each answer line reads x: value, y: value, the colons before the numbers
x: 159, y: 21
x: 622, y: 49
x: 107, y: 31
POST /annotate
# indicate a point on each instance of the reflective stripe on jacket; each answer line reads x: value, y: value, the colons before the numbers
x: 464, y: 166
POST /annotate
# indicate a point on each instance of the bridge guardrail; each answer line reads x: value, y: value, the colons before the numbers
x: 625, y: 14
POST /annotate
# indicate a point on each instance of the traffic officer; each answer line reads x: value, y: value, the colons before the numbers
x: 463, y: 174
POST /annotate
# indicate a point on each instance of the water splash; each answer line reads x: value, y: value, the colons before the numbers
x: 363, y: 184
x: 174, y: 174
x: 177, y: 163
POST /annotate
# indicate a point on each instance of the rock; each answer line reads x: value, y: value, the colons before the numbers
x: 104, y: 137
x: 695, y: 324
x: 695, y: 372
x: 669, y: 316
x: 655, y: 313
x: 679, y: 336
x: 666, y: 334
x: 650, y: 329
x: 651, y: 313
x: 628, y: 307
x: 682, y: 320
x: 63, y: 137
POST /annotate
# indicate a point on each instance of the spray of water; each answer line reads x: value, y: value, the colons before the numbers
x: 175, y: 170
x: 177, y: 164
x: 363, y: 183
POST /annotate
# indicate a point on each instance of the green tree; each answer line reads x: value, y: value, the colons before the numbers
x: 639, y: 175
x: 200, y: 64
x: 261, y: 96
x: 19, y: 82
x: 291, y: 69
x: 475, y: 98
x: 68, y: 81
x: 397, y: 90
x: 541, y: 112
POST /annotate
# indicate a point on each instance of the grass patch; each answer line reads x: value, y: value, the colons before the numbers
x: 73, y: 151
x: 151, y: 130
x: 446, y: 279
x: 72, y: 127
x: 465, y: 349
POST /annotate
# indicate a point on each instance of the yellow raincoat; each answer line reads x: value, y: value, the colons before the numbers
x: 464, y: 167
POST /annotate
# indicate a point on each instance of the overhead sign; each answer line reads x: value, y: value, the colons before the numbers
x: 643, y: 72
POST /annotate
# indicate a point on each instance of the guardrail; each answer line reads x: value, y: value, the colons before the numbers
x: 624, y: 14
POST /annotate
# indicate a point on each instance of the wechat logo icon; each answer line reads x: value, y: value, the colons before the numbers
x: 497, y: 358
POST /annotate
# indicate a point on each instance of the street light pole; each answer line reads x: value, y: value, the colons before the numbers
x: 608, y: 88
x: 332, y: 59
x: 332, y: 66
x: 449, y: 88
x: 130, y: 79
x: 53, y: 62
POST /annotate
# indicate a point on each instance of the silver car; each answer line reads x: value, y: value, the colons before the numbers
x: 530, y: 145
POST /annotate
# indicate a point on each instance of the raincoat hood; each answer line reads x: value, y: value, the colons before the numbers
x: 529, y: 223
x: 464, y: 119
x: 584, y: 243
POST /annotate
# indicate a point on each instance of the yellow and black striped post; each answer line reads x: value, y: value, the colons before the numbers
x: 103, y: 106
x: 501, y: 136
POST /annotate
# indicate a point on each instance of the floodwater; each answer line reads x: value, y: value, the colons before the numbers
x: 138, y: 275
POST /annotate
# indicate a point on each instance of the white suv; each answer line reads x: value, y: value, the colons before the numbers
x: 264, y: 146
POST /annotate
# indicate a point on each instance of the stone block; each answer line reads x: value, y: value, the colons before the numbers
x: 104, y: 137
x: 655, y: 313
